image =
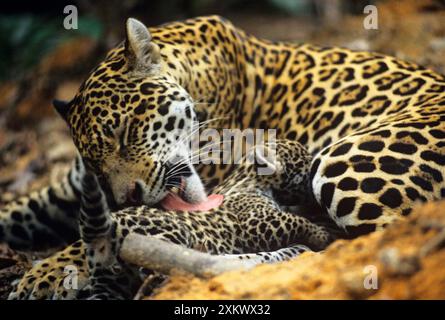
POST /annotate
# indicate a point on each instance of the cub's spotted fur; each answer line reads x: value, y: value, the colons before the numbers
x: 248, y: 223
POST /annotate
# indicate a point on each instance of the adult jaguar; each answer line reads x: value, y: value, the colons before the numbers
x: 375, y: 124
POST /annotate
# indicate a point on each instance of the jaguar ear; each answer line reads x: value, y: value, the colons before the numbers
x: 62, y: 108
x: 142, y: 54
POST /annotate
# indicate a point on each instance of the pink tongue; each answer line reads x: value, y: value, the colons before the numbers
x: 174, y: 202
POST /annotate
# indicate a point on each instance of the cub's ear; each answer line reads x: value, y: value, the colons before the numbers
x: 142, y: 54
x: 62, y: 108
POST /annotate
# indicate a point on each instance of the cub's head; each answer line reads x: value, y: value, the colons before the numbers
x: 283, y: 166
x: 130, y: 122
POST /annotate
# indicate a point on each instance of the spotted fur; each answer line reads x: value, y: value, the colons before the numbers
x: 249, y: 224
x: 374, y: 124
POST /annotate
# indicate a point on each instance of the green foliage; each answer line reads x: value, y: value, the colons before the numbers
x: 292, y: 6
x: 25, y: 39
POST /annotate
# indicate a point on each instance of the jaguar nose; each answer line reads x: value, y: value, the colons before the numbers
x: 134, y: 193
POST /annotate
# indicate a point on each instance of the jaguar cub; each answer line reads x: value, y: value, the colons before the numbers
x: 249, y: 223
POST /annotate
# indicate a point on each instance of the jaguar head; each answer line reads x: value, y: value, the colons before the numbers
x: 131, y: 123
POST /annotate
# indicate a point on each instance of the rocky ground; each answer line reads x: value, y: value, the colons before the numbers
x: 35, y: 148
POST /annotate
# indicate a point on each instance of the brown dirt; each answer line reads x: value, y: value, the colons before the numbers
x: 58, y: 75
x: 408, y: 257
x: 29, y: 159
x: 13, y: 266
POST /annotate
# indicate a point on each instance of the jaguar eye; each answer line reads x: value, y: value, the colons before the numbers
x: 123, y: 151
x: 108, y: 131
